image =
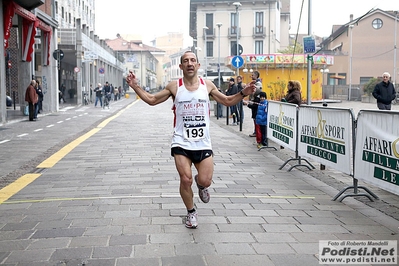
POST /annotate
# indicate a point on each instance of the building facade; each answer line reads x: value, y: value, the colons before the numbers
x: 27, y: 31
x: 259, y: 27
x: 363, y: 48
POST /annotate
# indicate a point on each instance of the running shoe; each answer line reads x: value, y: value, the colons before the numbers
x: 203, y: 192
x: 191, y: 220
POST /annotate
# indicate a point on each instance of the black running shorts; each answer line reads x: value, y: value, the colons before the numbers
x: 194, y: 156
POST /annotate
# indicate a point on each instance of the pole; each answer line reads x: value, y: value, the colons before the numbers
x: 350, y: 64
x: 394, y: 51
x: 309, y: 83
x: 217, y: 103
x: 206, y: 53
x: 238, y: 52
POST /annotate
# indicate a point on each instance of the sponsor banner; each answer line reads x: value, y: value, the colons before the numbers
x: 325, y: 136
x: 370, y: 252
x: 377, y: 149
x: 282, y: 124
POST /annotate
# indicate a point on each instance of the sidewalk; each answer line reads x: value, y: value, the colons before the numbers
x: 112, y: 198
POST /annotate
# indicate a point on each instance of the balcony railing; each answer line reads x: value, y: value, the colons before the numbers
x: 259, y: 32
x: 210, y: 34
x: 233, y: 32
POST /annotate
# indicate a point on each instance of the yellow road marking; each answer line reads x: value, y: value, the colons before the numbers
x: 56, y: 157
x: 23, y: 181
x: 13, y: 188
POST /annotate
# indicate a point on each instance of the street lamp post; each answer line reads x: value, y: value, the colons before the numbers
x: 237, y: 5
x: 218, y: 108
x: 350, y: 63
x: 394, y: 52
x: 206, y: 52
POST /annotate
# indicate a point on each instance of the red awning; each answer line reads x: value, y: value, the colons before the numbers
x: 29, y: 29
x: 8, y: 15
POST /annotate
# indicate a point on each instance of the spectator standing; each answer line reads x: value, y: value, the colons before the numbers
x: 31, y: 97
x: 384, y: 92
x: 261, y: 121
x: 99, y: 96
x: 232, y: 90
x: 38, y: 105
x: 294, y: 93
x: 240, y: 105
x: 254, y: 99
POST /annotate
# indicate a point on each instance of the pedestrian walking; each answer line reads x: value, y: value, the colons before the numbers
x: 191, y: 143
x: 99, y: 95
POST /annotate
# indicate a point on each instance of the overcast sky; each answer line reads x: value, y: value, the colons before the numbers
x: 152, y: 18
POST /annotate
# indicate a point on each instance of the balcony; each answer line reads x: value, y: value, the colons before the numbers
x: 210, y: 34
x: 232, y: 34
x: 259, y: 32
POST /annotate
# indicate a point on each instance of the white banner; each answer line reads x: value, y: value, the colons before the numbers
x: 282, y: 124
x: 325, y: 136
x: 377, y: 149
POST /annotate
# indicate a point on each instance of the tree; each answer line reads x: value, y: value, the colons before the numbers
x: 370, y: 85
x: 297, y: 49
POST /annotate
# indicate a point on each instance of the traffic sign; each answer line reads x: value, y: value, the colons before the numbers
x: 309, y: 45
x: 234, y: 49
x: 237, y: 61
x: 58, y: 54
x: 76, y: 69
x: 101, y: 70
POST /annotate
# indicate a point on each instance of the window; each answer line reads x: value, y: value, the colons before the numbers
x: 209, y: 49
x: 364, y: 80
x: 209, y: 23
x: 258, y: 22
x: 377, y: 23
x: 56, y: 7
x: 342, y: 81
x: 233, y: 23
x: 258, y: 47
x: 62, y: 12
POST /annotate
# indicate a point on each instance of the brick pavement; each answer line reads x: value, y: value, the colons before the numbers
x: 113, y: 200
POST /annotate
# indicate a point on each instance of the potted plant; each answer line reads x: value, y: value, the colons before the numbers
x: 368, y: 90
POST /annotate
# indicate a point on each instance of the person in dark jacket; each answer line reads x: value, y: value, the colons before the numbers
x: 294, y: 93
x: 261, y: 121
x: 232, y: 90
x: 384, y: 92
x: 39, y: 105
x: 31, y: 97
x: 254, y: 99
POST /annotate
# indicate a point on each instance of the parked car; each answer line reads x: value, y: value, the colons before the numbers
x: 8, y: 101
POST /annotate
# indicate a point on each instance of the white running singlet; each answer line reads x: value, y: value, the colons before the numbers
x: 191, y: 118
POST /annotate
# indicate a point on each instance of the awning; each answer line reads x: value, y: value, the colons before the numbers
x: 337, y: 77
x: 29, y: 29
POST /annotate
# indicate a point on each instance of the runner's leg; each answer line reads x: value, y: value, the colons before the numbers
x: 183, y: 166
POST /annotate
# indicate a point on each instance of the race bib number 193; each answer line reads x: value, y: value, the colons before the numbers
x: 194, y: 133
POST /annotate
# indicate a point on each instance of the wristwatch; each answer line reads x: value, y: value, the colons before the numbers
x: 242, y: 94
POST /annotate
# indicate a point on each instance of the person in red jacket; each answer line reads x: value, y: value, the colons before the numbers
x: 31, y: 97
